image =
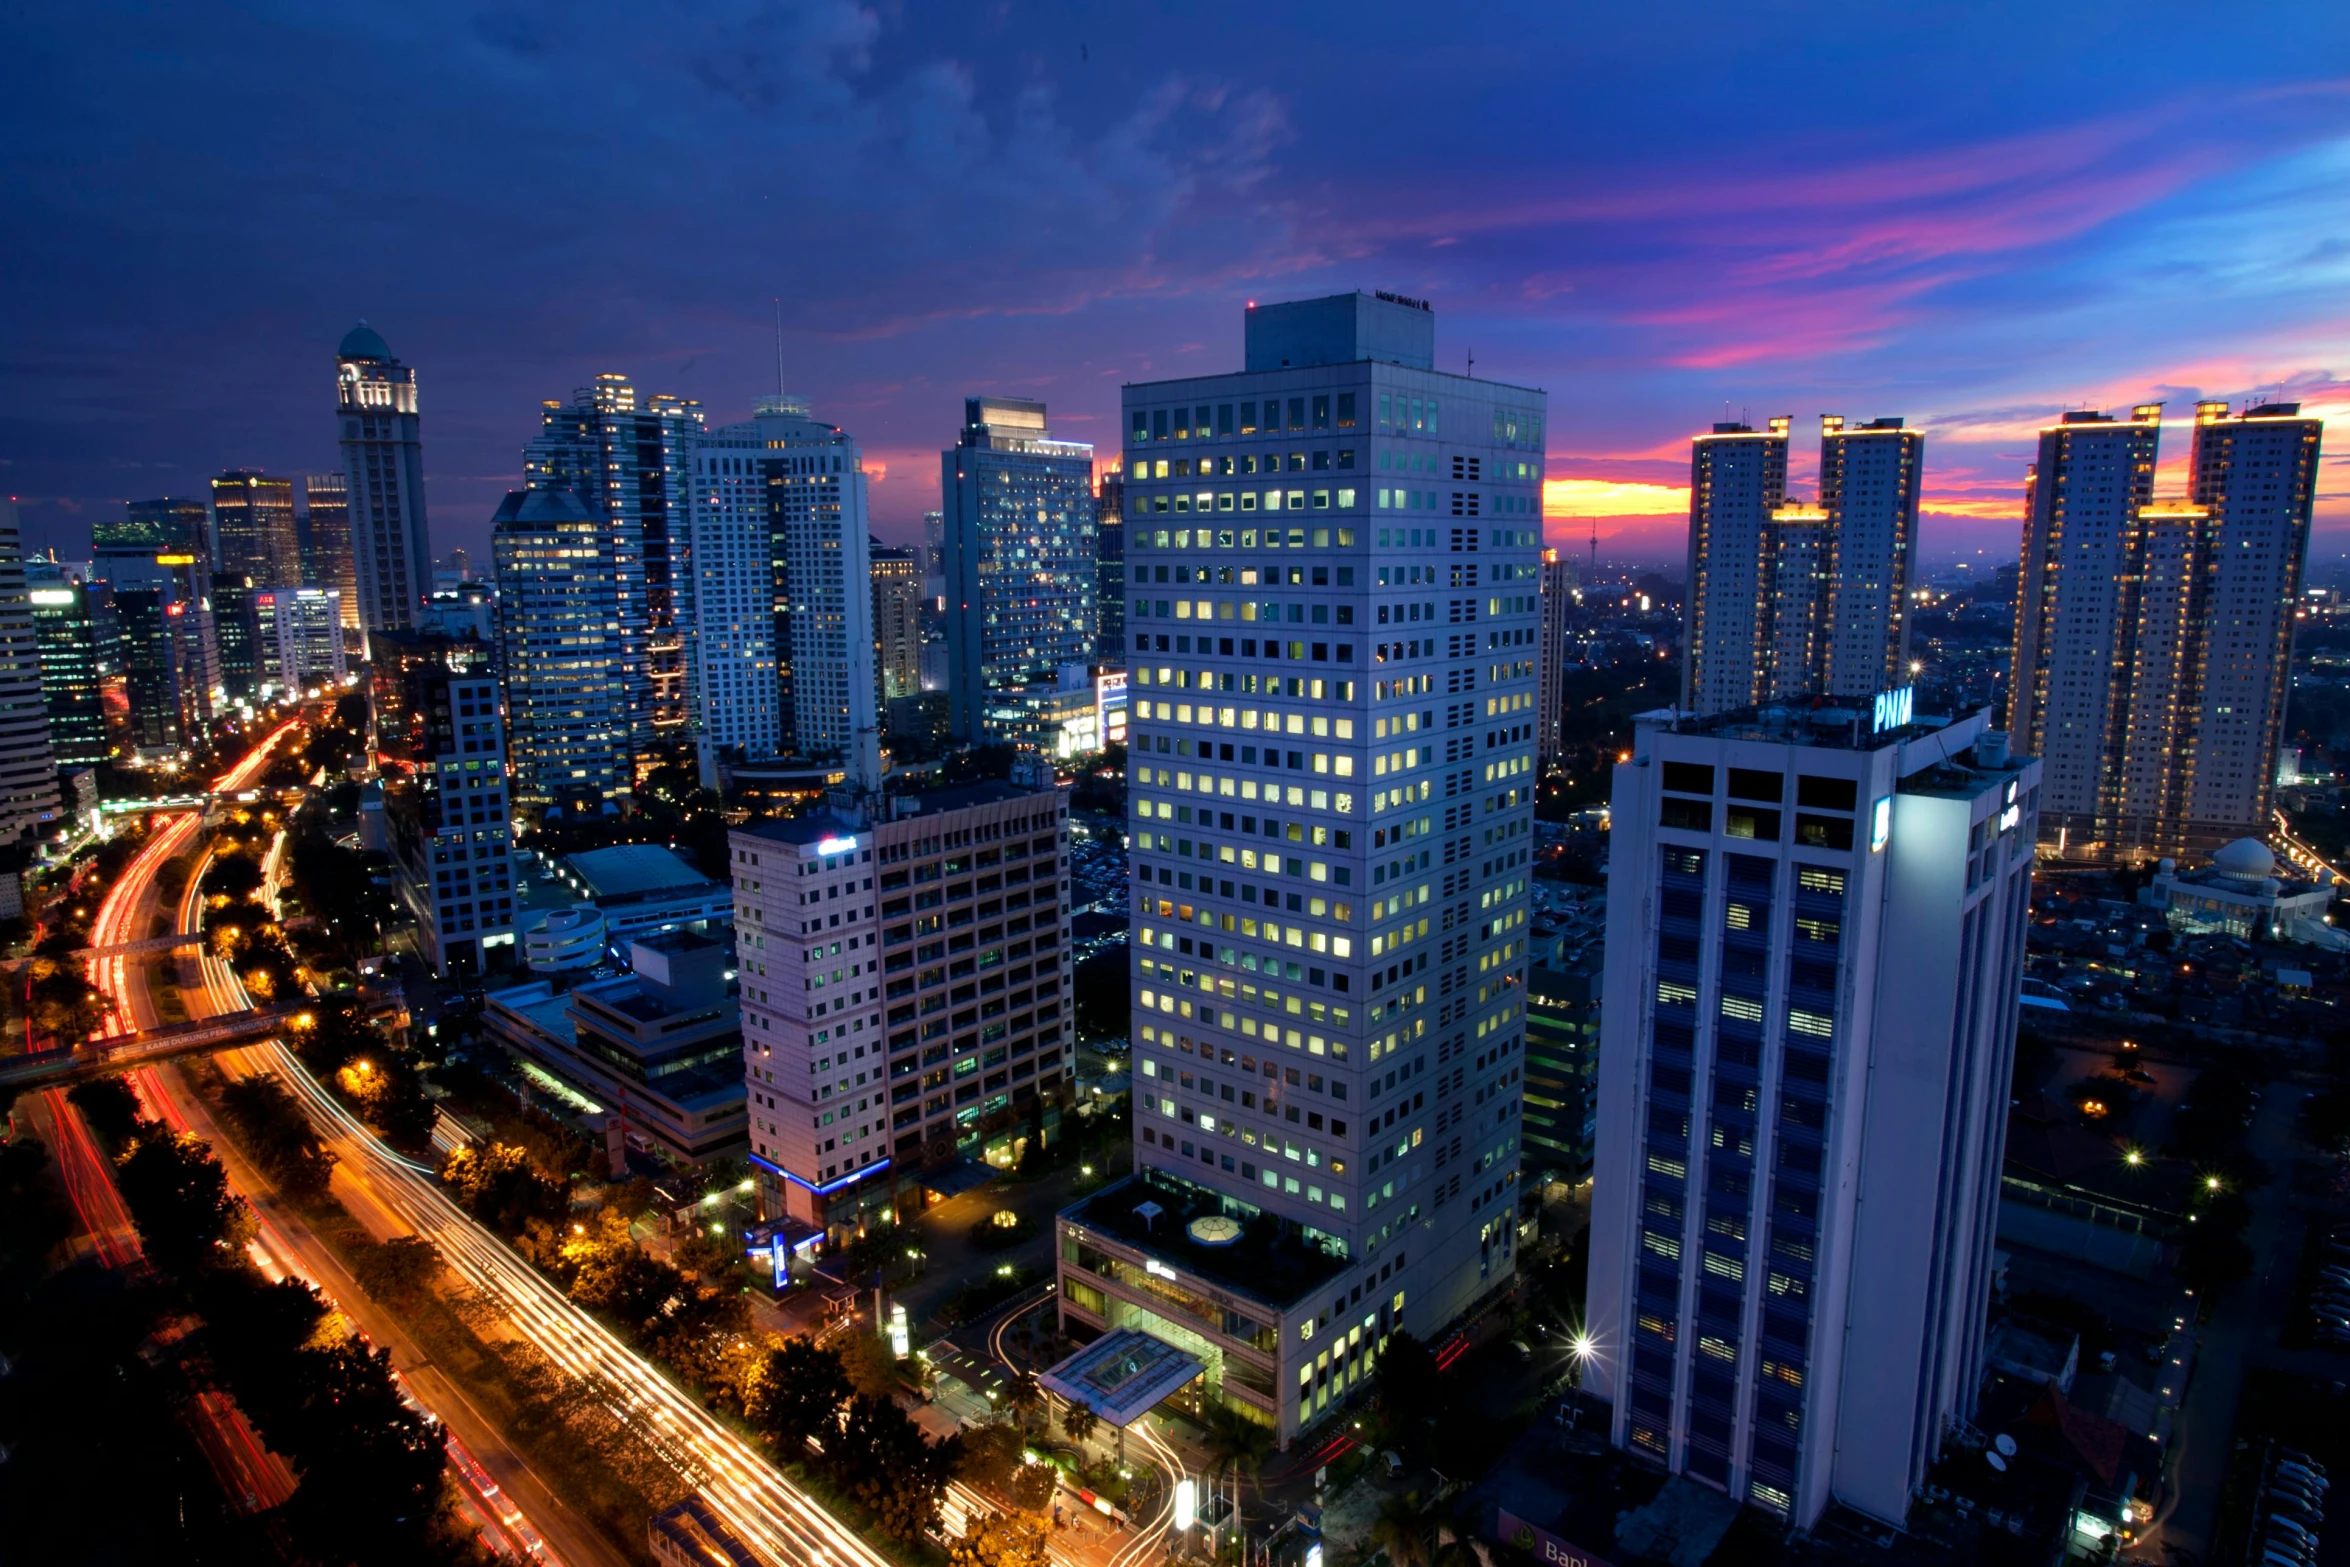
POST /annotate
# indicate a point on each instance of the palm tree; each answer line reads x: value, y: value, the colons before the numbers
x: 1406, y: 1531
x: 1237, y: 1445
x: 1078, y: 1423
x: 1024, y: 1397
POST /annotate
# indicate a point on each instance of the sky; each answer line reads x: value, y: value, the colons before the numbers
x: 1974, y: 216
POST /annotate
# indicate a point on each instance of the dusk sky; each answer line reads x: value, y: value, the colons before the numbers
x: 1974, y: 216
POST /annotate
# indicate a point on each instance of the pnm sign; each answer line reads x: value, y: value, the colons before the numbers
x: 1541, y: 1544
x: 1894, y: 709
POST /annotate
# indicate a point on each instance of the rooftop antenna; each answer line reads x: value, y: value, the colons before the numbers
x: 779, y: 346
x: 1472, y: 361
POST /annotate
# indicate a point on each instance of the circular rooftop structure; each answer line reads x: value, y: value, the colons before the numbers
x: 1214, y: 1229
x: 568, y: 940
x: 364, y: 342
x: 2247, y: 859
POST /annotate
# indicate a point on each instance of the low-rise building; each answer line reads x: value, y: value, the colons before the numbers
x: 658, y: 1047
x: 2243, y: 893
x: 641, y: 888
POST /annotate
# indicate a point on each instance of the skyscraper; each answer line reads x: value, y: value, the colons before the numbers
x: 1814, y: 948
x: 785, y: 500
x: 630, y: 466
x: 1737, y: 479
x: 2153, y: 637
x: 253, y: 531
x: 1019, y: 557
x: 559, y: 641
x: 897, y: 621
x: 934, y: 554
x: 326, y: 541
x: 299, y: 638
x: 1788, y: 599
x: 242, y: 659
x: 1109, y: 567
x: 1561, y: 588
x: 446, y: 815
x: 383, y: 462
x: 1869, y: 486
x: 65, y: 627
x: 1332, y: 629
x: 2080, y: 588
x: 28, y: 768
x: 157, y: 560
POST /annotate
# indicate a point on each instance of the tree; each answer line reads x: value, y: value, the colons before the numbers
x: 1078, y: 1423
x: 109, y: 1105
x: 179, y: 1198
x: 993, y: 1455
x: 500, y: 1186
x: 1415, y: 1533
x: 1238, y: 1446
x: 1024, y: 1397
x: 871, y: 1368
x: 278, y: 1133
x: 882, y: 1459
x: 796, y: 1393
x: 399, y: 1271
x: 1409, y: 1385
x: 1000, y: 1540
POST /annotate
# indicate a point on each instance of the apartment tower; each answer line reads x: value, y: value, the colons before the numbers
x: 1814, y: 949
x: 1332, y: 631
x: 1561, y: 591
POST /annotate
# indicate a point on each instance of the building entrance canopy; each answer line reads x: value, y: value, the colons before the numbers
x: 1122, y: 1376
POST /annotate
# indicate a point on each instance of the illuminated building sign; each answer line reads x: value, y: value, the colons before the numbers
x: 1540, y: 1544
x: 836, y: 845
x: 1881, y: 824
x: 1894, y: 708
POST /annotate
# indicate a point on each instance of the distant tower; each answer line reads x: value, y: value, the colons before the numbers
x: 383, y: 457
x: 253, y: 528
x: 326, y: 542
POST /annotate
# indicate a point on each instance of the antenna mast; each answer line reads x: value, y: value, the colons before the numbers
x: 779, y: 346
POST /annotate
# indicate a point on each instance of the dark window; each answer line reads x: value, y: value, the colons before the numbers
x: 1689, y: 778
x: 1694, y: 815
x: 1824, y: 832
x: 1826, y: 794
x: 1747, y: 784
x: 1746, y: 822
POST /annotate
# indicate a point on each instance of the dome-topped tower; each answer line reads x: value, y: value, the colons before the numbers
x: 364, y: 342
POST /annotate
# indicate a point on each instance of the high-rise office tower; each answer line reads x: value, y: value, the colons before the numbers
x: 298, y: 632
x: 67, y: 631
x: 629, y: 464
x: 1789, y: 599
x: 383, y: 464
x: 911, y: 1036
x: 897, y: 620
x: 1332, y: 623
x: 559, y: 642
x: 934, y: 555
x: 158, y: 561
x: 1737, y: 479
x: 253, y: 533
x: 1815, y: 946
x: 1109, y: 568
x: 447, y: 818
x: 779, y: 513
x: 1019, y: 557
x: 326, y: 541
x: 2153, y: 638
x: 1869, y: 485
x: 2079, y: 585
x: 242, y: 659
x: 1561, y: 591
x: 28, y: 768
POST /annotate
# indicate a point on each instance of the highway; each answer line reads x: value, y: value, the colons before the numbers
x: 751, y: 1496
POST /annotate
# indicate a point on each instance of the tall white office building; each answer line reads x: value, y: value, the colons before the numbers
x: 784, y: 612
x: 28, y: 768
x: 383, y: 459
x: 1815, y: 944
x: 627, y: 459
x: 1333, y: 575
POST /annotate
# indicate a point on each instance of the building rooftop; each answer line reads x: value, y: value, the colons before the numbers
x: 632, y: 868
x: 817, y: 825
x: 1271, y: 1260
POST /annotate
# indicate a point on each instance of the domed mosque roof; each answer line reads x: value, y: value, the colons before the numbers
x: 364, y: 342
x: 2247, y: 859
